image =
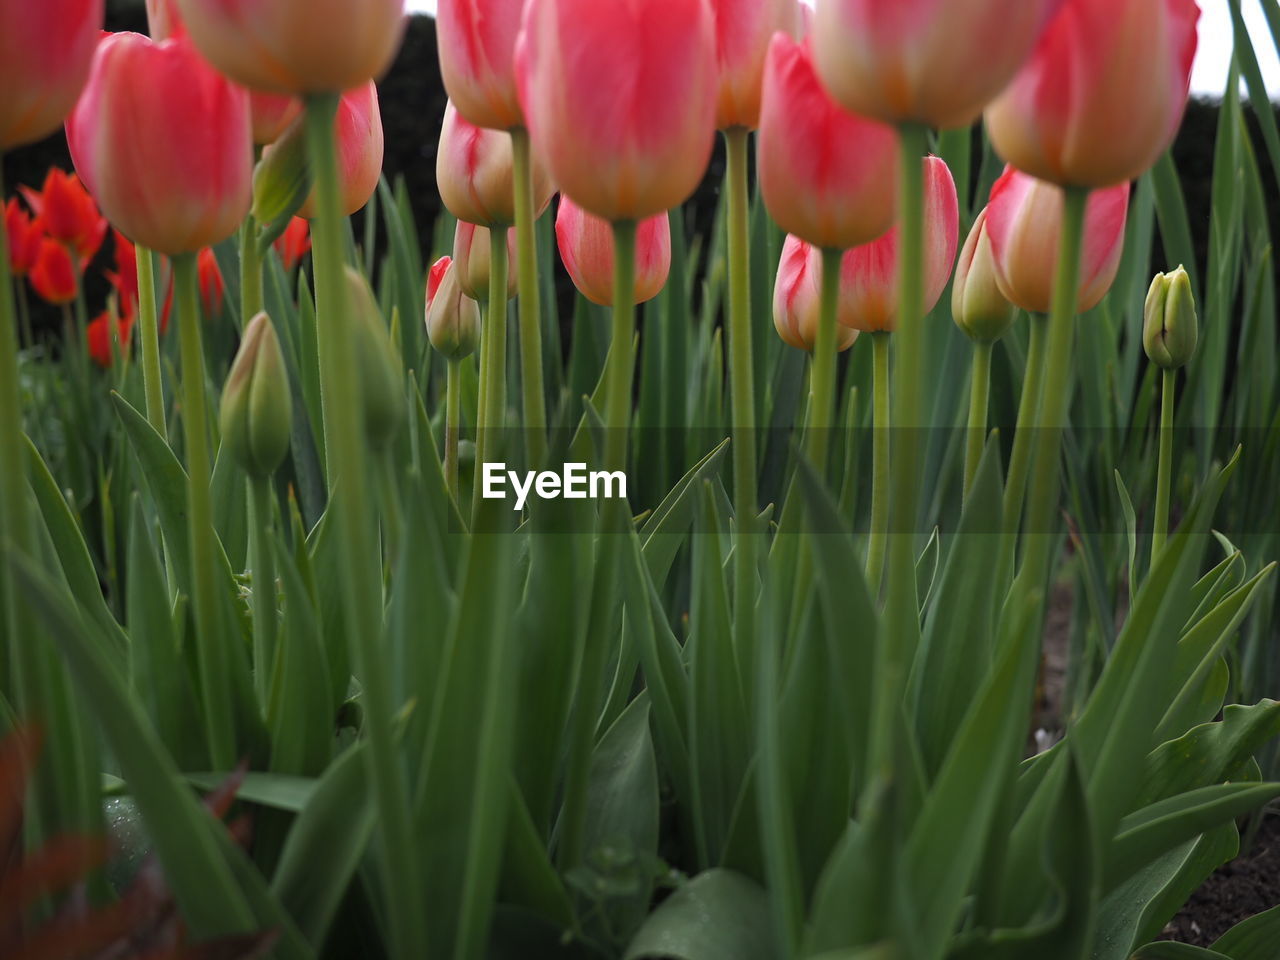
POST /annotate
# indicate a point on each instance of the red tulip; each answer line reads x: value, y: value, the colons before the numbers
x: 125, y: 280
x: 162, y: 141
x: 743, y: 31
x: 797, y: 295
x: 358, y: 130
x: 471, y: 260
x: 164, y: 20
x: 24, y: 233
x: 45, y: 49
x: 475, y: 172
x: 294, y: 243
x: 1103, y: 95
x: 586, y: 247
x: 297, y: 46
x: 620, y: 100
x: 1024, y: 222
x: 272, y: 113
x: 869, y: 273
x: 68, y: 213
x: 54, y: 275
x: 477, y: 40
x: 826, y: 175
x: 936, y: 62
x: 98, y: 336
x: 213, y: 289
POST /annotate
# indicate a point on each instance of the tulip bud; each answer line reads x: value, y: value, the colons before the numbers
x: 257, y: 407
x: 797, y: 298
x: 477, y: 41
x: 161, y: 101
x: 297, y: 46
x: 281, y: 183
x: 1024, y: 223
x: 357, y: 127
x: 743, y: 31
x: 45, y: 51
x: 475, y: 173
x: 620, y: 100
x: 471, y: 260
x: 272, y: 114
x: 829, y: 203
x: 586, y: 247
x: 453, y: 318
x: 977, y: 305
x: 381, y: 383
x: 1170, y: 328
x: 1102, y: 96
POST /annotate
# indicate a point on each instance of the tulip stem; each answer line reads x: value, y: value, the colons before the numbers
x: 348, y: 456
x: 979, y: 395
x: 742, y: 391
x: 879, y: 464
x: 1055, y: 400
x: 251, y: 302
x: 211, y: 652
x: 493, y: 363
x: 264, y: 586
x: 1020, y: 459
x: 452, y: 425
x: 822, y: 378
x: 1160, y: 531
x: 617, y: 402
x: 152, y: 378
x: 535, y: 403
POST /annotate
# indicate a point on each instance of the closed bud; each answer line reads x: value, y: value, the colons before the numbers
x: 257, y: 408
x: 471, y: 260
x: 453, y: 318
x: 977, y: 305
x: 1170, y: 327
x: 380, y: 379
x: 281, y: 184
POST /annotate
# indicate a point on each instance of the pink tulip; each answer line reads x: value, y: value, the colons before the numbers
x: 869, y: 273
x: 297, y: 46
x: 164, y: 20
x: 936, y: 62
x: 797, y: 295
x: 358, y: 130
x: 586, y: 247
x: 45, y: 49
x: 272, y: 114
x: 743, y: 31
x: 620, y: 99
x: 452, y: 317
x: 1103, y: 95
x: 162, y: 142
x: 477, y: 41
x: 1024, y: 222
x: 475, y: 173
x: 471, y: 260
x: 977, y: 305
x: 826, y: 175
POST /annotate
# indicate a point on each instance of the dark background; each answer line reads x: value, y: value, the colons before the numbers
x: 413, y: 99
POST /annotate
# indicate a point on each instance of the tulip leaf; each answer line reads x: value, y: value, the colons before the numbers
x: 1168, y: 950
x: 1252, y: 939
x: 715, y: 915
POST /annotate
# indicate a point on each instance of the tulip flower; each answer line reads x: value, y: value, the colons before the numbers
x: 471, y: 260
x: 294, y: 243
x: 1024, y: 220
x: 297, y: 46
x: 164, y: 20
x: 272, y: 114
x: 358, y: 133
x: 743, y: 31
x: 930, y: 62
x: 213, y: 289
x: 477, y: 41
x: 796, y: 297
x: 125, y: 281
x: 452, y: 318
x: 977, y: 305
x: 45, y: 49
x: 162, y: 141
x: 257, y: 406
x: 475, y: 173
x: 1102, y: 96
x: 53, y: 276
x: 67, y: 213
x: 24, y: 235
x: 98, y: 337
x: 620, y: 100
x: 826, y: 175
x: 586, y: 247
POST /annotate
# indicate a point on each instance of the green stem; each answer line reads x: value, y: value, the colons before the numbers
x: 152, y: 378
x: 1055, y: 402
x: 822, y: 378
x: 493, y: 363
x: 742, y: 394
x: 535, y: 403
x: 879, y: 465
x: 1023, y: 439
x: 264, y: 586
x: 617, y: 402
x: 215, y: 686
x: 361, y: 586
x: 979, y: 393
x: 1160, y: 532
x: 24, y: 316
x: 250, y: 271
x: 452, y: 426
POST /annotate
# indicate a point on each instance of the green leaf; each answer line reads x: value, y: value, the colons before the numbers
x: 716, y: 915
x: 1168, y: 950
x: 662, y: 534
x: 1252, y: 939
x: 1209, y: 753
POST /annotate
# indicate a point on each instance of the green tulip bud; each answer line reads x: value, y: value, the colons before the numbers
x: 1170, y: 328
x: 977, y: 305
x: 381, y: 380
x: 281, y: 184
x: 257, y: 407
